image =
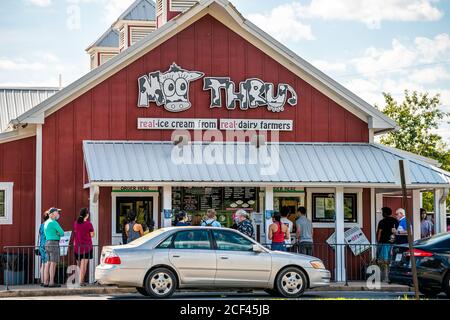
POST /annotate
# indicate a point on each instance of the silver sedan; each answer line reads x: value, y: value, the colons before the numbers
x: 207, y: 258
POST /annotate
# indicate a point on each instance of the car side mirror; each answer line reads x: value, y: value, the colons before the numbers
x: 257, y: 248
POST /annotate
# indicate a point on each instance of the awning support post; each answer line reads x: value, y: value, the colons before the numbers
x: 440, y: 214
x: 268, y: 199
x: 94, y: 192
x: 416, y: 214
x: 38, y: 196
x: 167, y: 206
x: 340, y: 272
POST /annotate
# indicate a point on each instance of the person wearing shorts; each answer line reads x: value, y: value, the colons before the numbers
x: 83, y: 249
x: 53, y: 233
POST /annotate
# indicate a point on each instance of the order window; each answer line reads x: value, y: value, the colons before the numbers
x: 323, y: 207
x: 2, y: 204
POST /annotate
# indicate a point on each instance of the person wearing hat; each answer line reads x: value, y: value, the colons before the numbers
x: 53, y: 233
x: 244, y: 224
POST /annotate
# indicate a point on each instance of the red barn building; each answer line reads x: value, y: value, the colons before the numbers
x: 107, y: 140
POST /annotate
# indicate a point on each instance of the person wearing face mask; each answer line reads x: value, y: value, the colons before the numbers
x: 53, y: 233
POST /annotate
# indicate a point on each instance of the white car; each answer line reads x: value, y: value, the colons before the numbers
x: 207, y: 258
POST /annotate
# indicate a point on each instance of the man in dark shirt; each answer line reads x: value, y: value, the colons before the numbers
x: 385, y: 236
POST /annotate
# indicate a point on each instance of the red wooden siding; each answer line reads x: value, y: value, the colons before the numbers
x: 105, y: 221
x: 17, y: 165
x: 395, y: 202
x: 210, y: 47
x: 109, y: 111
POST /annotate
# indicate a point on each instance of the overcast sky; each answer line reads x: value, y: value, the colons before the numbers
x: 370, y: 46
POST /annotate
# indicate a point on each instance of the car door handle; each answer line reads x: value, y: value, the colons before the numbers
x: 175, y: 256
x: 224, y: 258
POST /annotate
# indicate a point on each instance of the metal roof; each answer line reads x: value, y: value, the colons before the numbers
x: 16, y: 101
x: 141, y: 10
x: 354, y: 163
x: 110, y: 39
x: 127, y: 56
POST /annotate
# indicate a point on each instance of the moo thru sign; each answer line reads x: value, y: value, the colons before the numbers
x: 171, y: 90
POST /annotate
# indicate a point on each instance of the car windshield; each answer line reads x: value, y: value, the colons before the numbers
x: 147, y: 237
x: 433, y: 240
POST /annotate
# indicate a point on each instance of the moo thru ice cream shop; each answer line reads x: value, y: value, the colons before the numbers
x: 189, y: 106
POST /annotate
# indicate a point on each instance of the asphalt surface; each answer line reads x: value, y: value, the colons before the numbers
x: 257, y: 295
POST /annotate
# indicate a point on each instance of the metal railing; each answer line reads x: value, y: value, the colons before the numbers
x: 23, y: 265
x: 357, y: 258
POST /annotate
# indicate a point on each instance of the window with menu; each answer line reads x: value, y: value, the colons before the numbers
x: 323, y: 207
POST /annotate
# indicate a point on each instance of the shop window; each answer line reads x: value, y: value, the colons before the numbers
x: 323, y: 207
x: 6, y: 197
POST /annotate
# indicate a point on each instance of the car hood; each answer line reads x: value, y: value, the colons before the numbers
x: 292, y: 256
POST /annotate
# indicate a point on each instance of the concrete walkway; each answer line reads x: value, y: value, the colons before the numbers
x: 37, y: 291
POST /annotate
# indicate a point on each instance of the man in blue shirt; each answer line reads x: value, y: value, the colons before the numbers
x: 402, y: 231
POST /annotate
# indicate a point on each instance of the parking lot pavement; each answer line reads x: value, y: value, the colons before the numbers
x: 257, y: 295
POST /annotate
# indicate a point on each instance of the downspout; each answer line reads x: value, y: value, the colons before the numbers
x: 38, y: 190
x: 442, y: 204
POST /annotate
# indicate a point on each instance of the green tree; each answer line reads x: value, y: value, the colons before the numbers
x: 417, y: 117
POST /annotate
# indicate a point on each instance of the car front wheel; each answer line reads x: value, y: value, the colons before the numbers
x: 161, y: 283
x: 291, y: 282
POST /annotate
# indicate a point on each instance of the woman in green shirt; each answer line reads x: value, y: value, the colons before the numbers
x: 53, y: 233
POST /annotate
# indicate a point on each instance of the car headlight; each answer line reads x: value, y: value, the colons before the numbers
x: 317, y: 264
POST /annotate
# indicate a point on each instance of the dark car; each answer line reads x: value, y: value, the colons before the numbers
x: 433, y: 264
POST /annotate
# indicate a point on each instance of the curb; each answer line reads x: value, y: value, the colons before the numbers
x: 114, y: 290
x: 364, y: 289
x: 63, y: 292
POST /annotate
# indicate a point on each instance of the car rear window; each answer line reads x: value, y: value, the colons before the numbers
x: 147, y: 237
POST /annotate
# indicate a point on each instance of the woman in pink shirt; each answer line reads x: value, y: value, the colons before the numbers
x: 83, y: 234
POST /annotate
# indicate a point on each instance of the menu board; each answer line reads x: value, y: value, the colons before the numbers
x: 220, y: 199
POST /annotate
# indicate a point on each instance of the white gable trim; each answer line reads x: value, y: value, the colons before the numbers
x: 238, y: 24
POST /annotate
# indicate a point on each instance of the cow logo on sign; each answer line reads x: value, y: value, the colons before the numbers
x: 170, y: 89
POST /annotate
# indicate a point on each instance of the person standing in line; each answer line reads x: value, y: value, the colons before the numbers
x: 196, y: 220
x: 83, y: 234
x: 284, y: 219
x: 42, y: 253
x: 426, y: 226
x: 304, y: 233
x: 182, y: 219
x: 278, y: 233
x: 211, y: 219
x: 53, y: 233
x: 133, y: 229
x: 401, y: 234
x: 244, y: 225
x: 385, y: 235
